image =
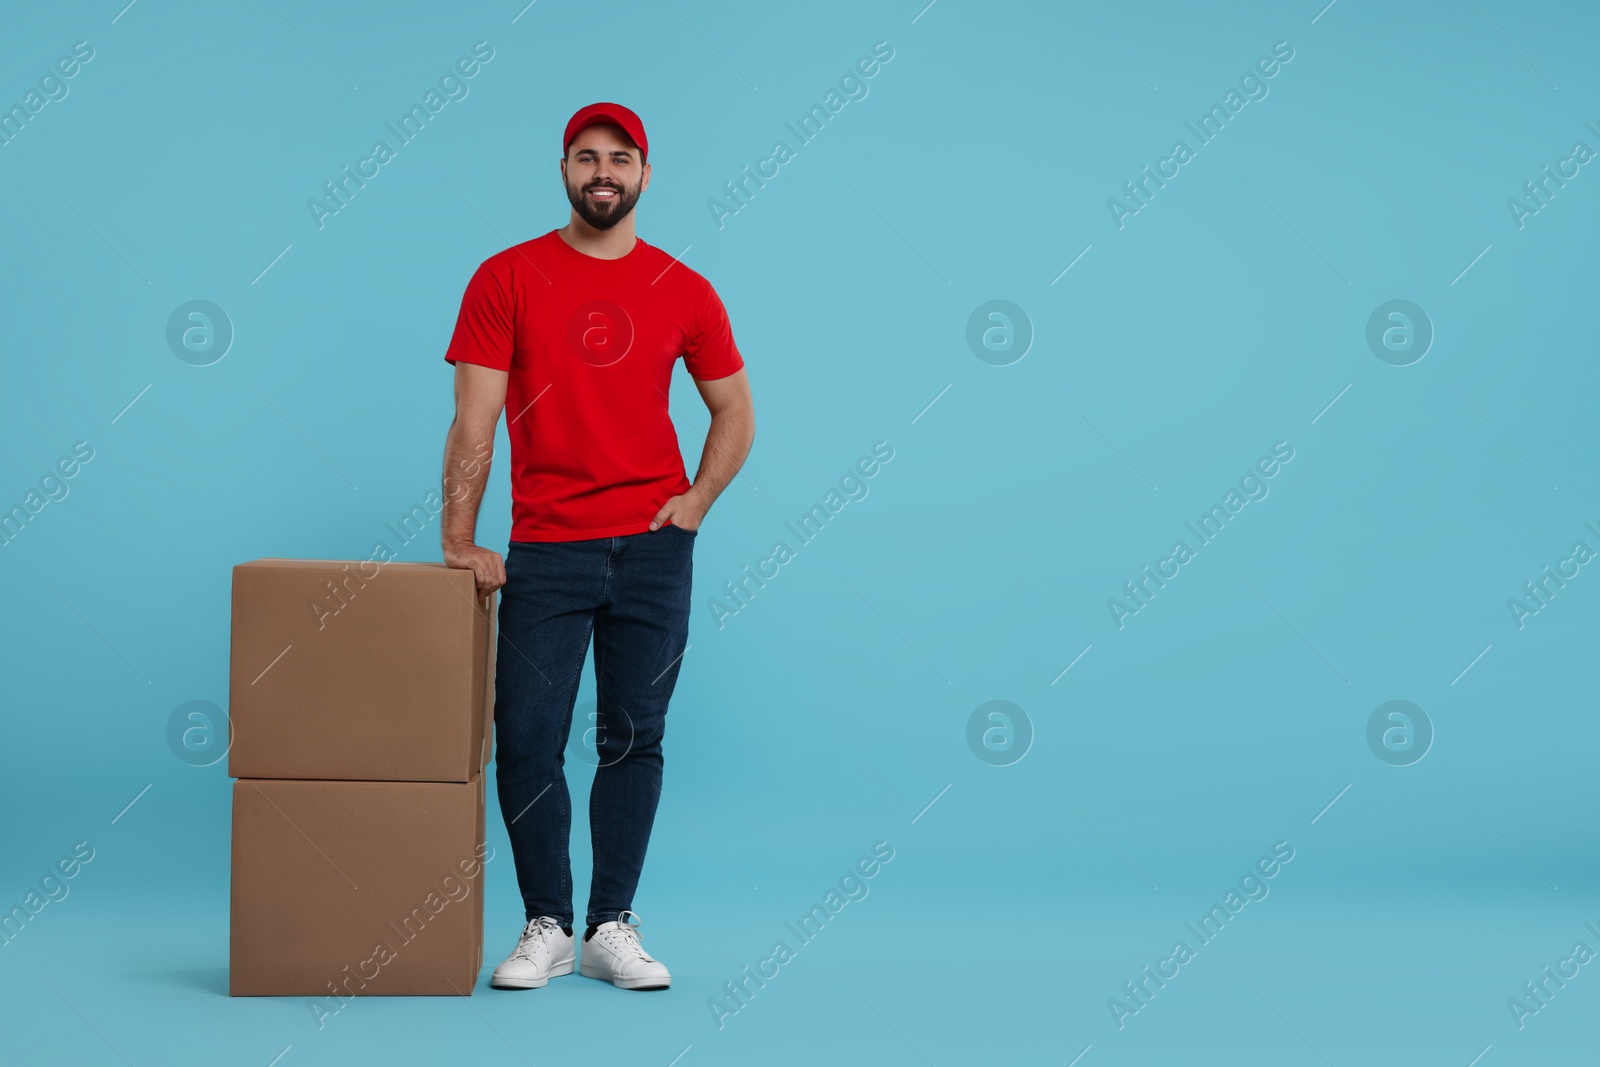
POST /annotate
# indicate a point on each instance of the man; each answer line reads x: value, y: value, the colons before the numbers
x: 575, y: 334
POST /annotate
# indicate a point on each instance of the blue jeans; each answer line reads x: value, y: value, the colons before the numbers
x: 632, y: 593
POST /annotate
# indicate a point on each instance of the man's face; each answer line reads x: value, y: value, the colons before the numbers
x: 603, y: 175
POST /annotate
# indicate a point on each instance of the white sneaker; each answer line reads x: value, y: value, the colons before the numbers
x: 615, y: 955
x: 543, y: 952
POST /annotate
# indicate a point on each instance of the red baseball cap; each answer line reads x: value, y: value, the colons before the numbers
x: 612, y: 113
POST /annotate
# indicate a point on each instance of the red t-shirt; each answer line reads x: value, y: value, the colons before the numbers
x: 589, y: 345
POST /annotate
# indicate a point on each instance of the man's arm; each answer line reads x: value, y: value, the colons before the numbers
x: 468, y: 452
x: 733, y: 428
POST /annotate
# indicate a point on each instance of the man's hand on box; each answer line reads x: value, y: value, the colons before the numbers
x: 487, y: 568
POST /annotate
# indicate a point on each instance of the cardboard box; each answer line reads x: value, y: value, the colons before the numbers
x: 345, y: 889
x: 359, y: 670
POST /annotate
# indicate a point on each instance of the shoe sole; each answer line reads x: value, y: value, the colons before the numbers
x: 530, y: 983
x: 626, y: 983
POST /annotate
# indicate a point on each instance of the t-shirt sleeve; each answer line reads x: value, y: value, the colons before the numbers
x: 711, y: 352
x: 484, y: 331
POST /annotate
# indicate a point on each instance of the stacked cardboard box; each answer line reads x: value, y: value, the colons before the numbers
x: 361, y: 706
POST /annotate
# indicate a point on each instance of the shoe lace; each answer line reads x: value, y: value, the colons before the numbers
x: 536, y: 936
x: 623, y: 939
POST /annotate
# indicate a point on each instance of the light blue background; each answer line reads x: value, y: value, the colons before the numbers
x: 830, y: 713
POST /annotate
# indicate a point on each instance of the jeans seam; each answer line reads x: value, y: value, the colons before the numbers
x: 599, y: 695
x: 566, y: 807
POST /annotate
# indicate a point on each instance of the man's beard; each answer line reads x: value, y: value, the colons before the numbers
x: 603, y: 216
